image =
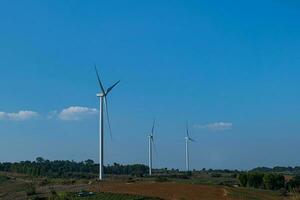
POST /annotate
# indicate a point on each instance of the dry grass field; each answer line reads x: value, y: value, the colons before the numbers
x: 17, y: 188
x: 185, y: 191
x: 166, y: 191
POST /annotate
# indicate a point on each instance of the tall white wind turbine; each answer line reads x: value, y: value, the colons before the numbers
x: 151, y: 144
x: 103, y: 100
x: 187, y: 153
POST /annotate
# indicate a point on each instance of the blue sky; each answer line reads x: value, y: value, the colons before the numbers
x: 230, y: 68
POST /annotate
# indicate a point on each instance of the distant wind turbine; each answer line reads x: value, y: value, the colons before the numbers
x: 103, y: 100
x: 187, y: 153
x: 151, y: 144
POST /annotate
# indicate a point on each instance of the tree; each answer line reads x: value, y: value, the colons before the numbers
x: 39, y: 160
x: 255, y: 180
x: 274, y: 181
x: 243, y: 178
x: 294, y: 183
x: 89, y: 162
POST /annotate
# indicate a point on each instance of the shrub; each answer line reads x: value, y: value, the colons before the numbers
x: 3, y: 178
x: 243, y: 178
x: 130, y: 180
x: 255, y: 180
x: 234, y: 175
x: 273, y: 181
x: 293, y: 184
x: 161, y: 179
x: 216, y: 175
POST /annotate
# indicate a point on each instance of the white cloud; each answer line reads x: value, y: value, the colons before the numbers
x: 216, y: 126
x: 18, y: 116
x: 2, y: 115
x: 76, y: 113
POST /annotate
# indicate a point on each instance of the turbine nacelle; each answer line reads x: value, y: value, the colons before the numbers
x: 100, y: 95
x: 187, y: 137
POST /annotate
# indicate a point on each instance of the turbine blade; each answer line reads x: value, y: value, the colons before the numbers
x: 153, y: 127
x: 100, y: 83
x: 112, y: 87
x: 192, y: 140
x: 187, y: 130
x: 108, y: 119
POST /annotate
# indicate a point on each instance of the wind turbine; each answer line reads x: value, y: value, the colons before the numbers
x: 151, y: 144
x: 103, y: 100
x: 187, y: 153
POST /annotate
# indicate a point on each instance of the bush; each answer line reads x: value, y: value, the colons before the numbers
x: 255, y: 180
x: 161, y: 179
x: 243, y: 178
x: 216, y: 175
x: 130, y: 180
x: 273, y: 181
x: 234, y: 175
x: 293, y: 184
x: 3, y: 178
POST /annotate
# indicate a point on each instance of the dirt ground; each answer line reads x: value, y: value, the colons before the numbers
x: 167, y: 191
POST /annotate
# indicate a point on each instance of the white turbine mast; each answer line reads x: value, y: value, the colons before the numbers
x: 187, y: 153
x: 103, y: 100
x: 151, y: 144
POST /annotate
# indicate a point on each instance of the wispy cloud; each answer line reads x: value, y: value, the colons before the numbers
x: 75, y: 113
x: 18, y: 116
x: 216, y: 126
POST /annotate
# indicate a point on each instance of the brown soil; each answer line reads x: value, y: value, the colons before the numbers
x: 167, y: 191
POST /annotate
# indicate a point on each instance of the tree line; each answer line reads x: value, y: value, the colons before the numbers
x: 286, y: 170
x: 70, y: 169
x: 269, y: 181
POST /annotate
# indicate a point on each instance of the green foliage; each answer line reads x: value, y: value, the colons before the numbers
x: 135, y: 170
x: 70, y: 169
x: 3, y: 178
x: 253, y: 194
x: 294, y: 184
x: 285, y: 170
x: 161, y: 179
x: 255, y: 180
x: 243, y: 178
x: 216, y: 175
x: 273, y: 181
x: 268, y: 181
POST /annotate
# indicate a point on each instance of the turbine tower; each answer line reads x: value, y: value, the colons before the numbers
x: 103, y: 101
x: 151, y: 143
x: 187, y: 153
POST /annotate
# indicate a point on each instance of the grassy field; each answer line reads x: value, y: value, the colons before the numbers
x: 15, y: 186
x: 102, y: 196
x: 253, y: 194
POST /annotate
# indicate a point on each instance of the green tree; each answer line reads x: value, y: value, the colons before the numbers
x: 255, y: 180
x: 243, y: 178
x: 294, y: 183
x: 39, y: 160
x: 274, y: 181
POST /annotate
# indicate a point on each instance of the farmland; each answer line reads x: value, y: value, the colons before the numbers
x: 18, y: 186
